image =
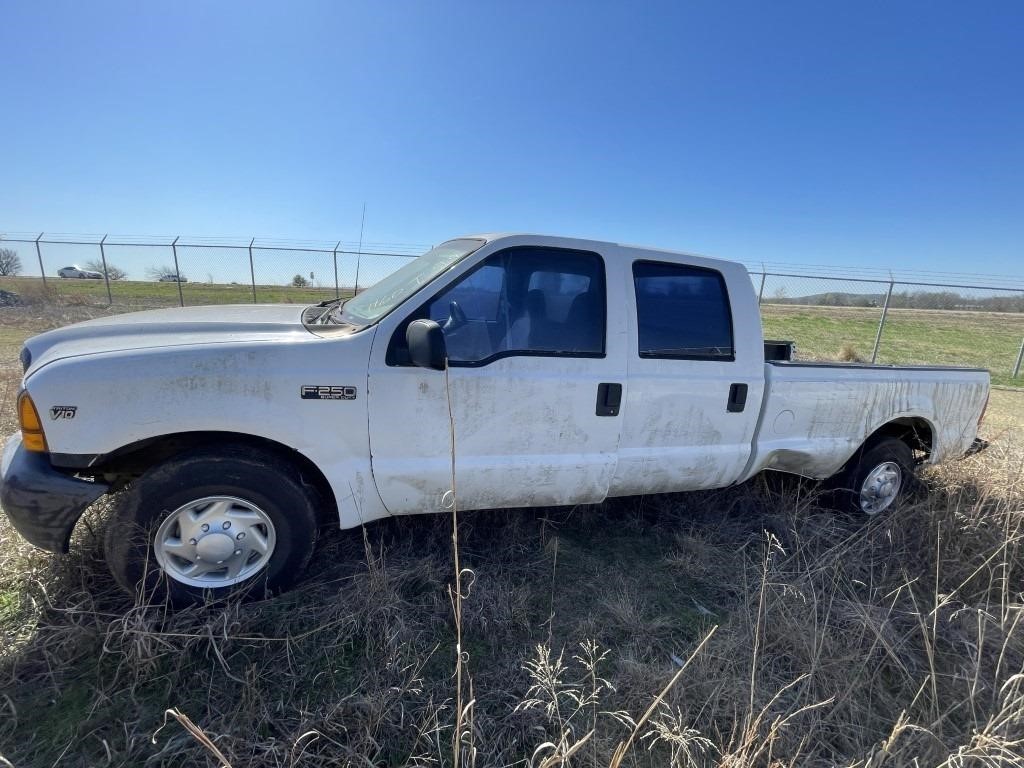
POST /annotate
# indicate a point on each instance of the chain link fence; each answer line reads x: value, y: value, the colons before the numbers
x: 144, y: 273
x: 896, y: 322
x: 830, y: 317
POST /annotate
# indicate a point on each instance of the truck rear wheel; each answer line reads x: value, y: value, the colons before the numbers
x: 875, y: 479
x: 211, y: 523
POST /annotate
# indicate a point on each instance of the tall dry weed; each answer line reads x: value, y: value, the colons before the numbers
x: 893, y: 642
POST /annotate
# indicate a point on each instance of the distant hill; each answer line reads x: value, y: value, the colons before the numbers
x: 833, y: 299
x: 908, y: 300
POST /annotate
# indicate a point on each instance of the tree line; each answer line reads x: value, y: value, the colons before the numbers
x: 10, y: 265
x: 919, y: 299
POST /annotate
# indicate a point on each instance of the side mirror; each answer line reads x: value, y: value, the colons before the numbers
x: 426, y: 345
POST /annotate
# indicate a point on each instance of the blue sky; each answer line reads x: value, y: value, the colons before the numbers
x: 860, y: 134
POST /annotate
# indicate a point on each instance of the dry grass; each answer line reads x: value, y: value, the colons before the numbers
x: 894, y: 643
x: 848, y: 354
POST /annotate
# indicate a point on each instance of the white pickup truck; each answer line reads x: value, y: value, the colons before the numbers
x: 570, y: 370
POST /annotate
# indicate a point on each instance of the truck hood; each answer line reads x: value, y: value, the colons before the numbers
x: 173, y: 327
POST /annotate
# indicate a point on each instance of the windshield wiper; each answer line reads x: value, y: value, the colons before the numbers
x: 326, y: 316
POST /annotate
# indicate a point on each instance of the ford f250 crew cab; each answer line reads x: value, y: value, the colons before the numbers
x: 570, y: 370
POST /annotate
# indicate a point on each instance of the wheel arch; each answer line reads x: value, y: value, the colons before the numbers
x: 916, y: 431
x: 129, y: 461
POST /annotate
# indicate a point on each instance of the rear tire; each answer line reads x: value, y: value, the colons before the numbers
x: 212, y: 523
x: 875, y: 478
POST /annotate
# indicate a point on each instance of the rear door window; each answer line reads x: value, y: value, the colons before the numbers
x: 682, y: 312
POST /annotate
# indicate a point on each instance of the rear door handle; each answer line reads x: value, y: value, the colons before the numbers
x: 609, y: 398
x: 737, y: 398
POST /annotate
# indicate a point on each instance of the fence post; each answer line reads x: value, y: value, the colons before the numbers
x: 337, y: 293
x: 177, y: 272
x: 39, y: 255
x: 1020, y: 356
x: 359, y: 251
x: 760, y: 292
x: 106, y: 277
x: 252, y: 272
x: 881, y: 323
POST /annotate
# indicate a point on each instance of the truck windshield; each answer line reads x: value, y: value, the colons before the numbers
x: 378, y: 300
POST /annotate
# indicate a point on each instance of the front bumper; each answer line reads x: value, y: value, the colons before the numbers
x: 42, y: 504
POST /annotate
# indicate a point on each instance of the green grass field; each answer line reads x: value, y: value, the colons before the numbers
x: 911, y: 337
x: 138, y: 293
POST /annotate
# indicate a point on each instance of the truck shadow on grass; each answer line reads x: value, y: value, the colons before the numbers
x: 358, y: 659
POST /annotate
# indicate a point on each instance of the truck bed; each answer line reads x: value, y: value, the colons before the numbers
x: 815, y: 415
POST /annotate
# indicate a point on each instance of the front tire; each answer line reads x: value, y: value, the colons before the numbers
x: 212, y: 523
x: 876, y: 478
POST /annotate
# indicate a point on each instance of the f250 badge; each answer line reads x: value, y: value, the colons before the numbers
x: 63, y: 412
x: 311, y: 392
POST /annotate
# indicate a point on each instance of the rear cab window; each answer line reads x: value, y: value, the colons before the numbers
x: 682, y: 312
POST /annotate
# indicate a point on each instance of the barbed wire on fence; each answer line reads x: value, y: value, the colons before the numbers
x: 856, y: 313
x: 336, y: 267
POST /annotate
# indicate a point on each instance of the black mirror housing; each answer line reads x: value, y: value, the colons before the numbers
x: 427, y: 348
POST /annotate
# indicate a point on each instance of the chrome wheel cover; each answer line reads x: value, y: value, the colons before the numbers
x: 213, y: 542
x: 881, y: 487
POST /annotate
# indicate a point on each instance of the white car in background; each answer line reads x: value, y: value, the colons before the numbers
x: 78, y: 272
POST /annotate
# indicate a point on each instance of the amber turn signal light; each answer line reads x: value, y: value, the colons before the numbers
x: 32, y: 436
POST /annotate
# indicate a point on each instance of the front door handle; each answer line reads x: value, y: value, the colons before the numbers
x: 737, y: 398
x: 609, y: 398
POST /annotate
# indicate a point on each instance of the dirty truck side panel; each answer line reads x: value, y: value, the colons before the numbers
x: 677, y: 432
x: 815, y: 417
x: 526, y: 430
x: 247, y: 388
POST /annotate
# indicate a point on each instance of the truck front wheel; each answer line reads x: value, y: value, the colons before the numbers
x: 211, y: 523
x: 876, y: 478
